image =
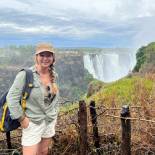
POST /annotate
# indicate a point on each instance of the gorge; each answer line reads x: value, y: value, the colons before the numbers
x: 75, y: 67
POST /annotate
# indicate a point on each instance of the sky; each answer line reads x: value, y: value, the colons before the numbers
x: 77, y: 23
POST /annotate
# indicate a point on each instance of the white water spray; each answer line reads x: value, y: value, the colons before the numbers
x: 109, y: 67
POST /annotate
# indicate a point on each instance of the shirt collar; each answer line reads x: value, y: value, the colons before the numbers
x: 34, y: 70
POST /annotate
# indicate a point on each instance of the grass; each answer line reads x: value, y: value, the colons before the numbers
x: 68, y: 107
x: 125, y: 91
x: 122, y: 91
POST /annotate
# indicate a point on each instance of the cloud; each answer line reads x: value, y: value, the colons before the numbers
x: 82, y: 19
x: 146, y: 33
x: 109, y: 9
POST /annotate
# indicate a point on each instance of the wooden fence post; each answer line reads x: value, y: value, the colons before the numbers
x: 82, y: 118
x: 126, y: 131
x: 95, y: 128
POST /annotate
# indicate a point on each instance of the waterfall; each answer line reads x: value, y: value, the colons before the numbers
x: 111, y: 66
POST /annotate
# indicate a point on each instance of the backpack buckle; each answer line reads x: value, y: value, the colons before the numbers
x: 30, y: 85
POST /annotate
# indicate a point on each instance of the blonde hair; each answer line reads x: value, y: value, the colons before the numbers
x: 41, y: 47
x: 53, y: 77
x: 52, y: 73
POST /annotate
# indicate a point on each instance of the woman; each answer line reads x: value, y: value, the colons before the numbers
x: 39, y: 119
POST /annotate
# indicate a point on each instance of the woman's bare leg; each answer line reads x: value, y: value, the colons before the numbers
x: 30, y: 150
x: 44, y: 145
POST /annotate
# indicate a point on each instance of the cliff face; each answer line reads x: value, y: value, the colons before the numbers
x: 70, y: 66
x: 6, y: 78
x: 70, y: 69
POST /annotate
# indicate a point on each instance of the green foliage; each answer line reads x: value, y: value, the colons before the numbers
x: 68, y: 107
x: 145, y: 57
x: 141, y: 58
x: 77, y: 92
x: 120, y: 92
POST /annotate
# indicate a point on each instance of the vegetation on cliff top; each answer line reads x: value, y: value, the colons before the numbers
x: 146, y: 59
x: 124, y: 91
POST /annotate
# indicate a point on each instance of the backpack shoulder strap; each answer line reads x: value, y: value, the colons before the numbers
x: 28, y: 83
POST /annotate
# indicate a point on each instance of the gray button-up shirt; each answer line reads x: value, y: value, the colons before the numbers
x: 36, y: 109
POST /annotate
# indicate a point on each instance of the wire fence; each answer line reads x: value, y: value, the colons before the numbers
x: 110, y: 130
x: 102, y: 137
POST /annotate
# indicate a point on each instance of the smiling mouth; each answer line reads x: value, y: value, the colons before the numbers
x: 45, y: 63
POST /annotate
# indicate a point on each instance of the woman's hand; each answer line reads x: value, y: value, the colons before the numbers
x: 25, y: 122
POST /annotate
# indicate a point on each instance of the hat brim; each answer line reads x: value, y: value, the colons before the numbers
x: 43, y: 50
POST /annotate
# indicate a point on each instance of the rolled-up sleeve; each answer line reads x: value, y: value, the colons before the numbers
x: 14, y: 96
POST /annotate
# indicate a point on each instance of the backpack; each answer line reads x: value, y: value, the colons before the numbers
x: 7, y: 124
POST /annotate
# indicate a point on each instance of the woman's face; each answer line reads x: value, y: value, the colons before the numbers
x: 45, y: 59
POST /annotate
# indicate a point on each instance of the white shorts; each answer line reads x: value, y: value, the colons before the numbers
x: 34, y: 132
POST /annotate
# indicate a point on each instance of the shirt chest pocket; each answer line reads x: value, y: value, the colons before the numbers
x: 35, y: 85
x: 36, y: 92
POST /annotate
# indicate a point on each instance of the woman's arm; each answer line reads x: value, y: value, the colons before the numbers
x: 14, y: 96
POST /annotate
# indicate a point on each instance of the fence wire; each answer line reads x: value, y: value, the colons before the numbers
x: 66, y: 140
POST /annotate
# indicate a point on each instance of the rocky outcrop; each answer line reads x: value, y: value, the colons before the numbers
x: 94, y: 87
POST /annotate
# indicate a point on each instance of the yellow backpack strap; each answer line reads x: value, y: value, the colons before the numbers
x: 27, y: 88
x: 3, y: 116
x: 23, y: 101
